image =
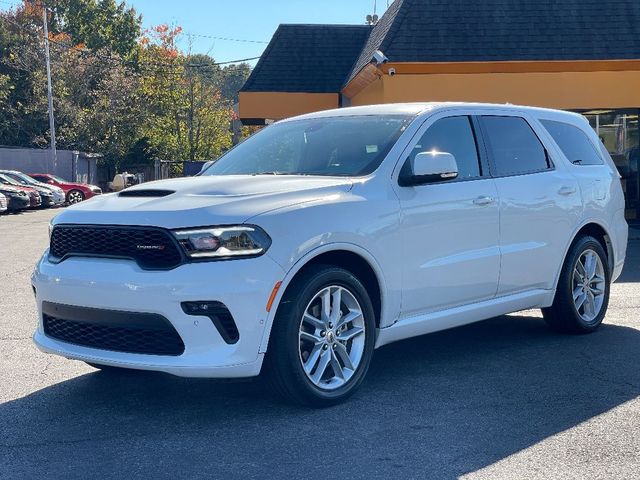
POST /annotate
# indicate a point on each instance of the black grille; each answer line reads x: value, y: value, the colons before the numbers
x: 112, y: 330
x: 152, y: 248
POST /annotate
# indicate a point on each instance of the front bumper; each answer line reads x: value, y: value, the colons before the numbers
x: 59, y: 198
x: 47, y: 201
x: 92, y: 193
x: 18, y: 203
x: 243, y: 286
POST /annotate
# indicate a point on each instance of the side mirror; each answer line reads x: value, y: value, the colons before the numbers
x: 430, y: 167
x: 206, y: 165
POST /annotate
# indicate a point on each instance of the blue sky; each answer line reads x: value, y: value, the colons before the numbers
x: 244, y: 19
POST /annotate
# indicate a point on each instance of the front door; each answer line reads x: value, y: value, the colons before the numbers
x: 450, y: 230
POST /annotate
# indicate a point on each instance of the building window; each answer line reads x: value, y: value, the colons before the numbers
x: 619, y: 132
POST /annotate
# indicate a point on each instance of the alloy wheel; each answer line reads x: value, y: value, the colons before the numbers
x: 589, y: 283
x: 331, y: 337
x: 75, y: 197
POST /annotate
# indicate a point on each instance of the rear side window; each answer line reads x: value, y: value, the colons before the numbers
x: 573, y: 142
x: 515, y: 148
x: 453, y: 135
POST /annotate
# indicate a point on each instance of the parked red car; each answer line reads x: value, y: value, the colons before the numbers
x: 35, y: 200
x: 75, y: 192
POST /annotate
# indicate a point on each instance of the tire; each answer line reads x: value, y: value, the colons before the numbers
x: 295, y: 341
x: 75, y: 196
x: 577, y: 317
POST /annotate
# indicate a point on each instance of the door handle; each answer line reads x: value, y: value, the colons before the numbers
x: 484, y: 201
x: 566, y: 190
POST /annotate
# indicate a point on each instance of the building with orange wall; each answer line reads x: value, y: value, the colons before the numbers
x: 580, y: 55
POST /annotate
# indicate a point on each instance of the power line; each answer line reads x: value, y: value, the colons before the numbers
x: 132, y: 63
x: 228, y: 39
x: 201, y: 35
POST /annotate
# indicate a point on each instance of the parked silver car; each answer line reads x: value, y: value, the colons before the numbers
x: 3, y: 203
x: 58, y: 196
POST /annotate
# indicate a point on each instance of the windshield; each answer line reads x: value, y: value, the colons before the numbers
x: 7, y: 180
x: 24, y: 179
x: 335, y: 146
x: 58, y: 179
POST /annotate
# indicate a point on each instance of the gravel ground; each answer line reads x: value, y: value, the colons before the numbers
x: 504, y: 398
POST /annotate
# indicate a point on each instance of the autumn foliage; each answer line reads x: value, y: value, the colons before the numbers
x: 132, y: 95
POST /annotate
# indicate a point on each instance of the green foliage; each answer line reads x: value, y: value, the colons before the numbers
x: 130, y: 96
x: 98, y: 24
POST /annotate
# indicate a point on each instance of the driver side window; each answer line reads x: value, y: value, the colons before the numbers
x: 452, y: 135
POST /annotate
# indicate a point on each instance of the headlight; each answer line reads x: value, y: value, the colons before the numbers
x: 224, y: 242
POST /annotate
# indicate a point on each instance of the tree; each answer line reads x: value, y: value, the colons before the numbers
x: 97, y: 97
x: 233, y: 78
x: 22, y: 67
x: 98, y: 24
x: 130, y: 96
x: 188, y: 120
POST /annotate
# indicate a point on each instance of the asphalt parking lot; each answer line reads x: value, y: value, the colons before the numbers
x: 504, y: 398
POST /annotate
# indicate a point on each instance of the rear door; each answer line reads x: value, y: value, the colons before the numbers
x: 449, y: 229
x: 540, y: 203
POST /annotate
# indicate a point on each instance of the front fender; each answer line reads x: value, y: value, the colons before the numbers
x: 389, y: 299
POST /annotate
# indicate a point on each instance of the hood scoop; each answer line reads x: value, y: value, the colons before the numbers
x: 148, y: 193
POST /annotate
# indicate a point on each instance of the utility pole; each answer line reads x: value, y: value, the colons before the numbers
x: 52, y: 124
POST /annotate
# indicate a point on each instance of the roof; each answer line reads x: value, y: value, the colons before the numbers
x: 308, y: 58
x: 418, y: 108
x: 382, y: 109
x: 324, y: 58
x: 505, y: 30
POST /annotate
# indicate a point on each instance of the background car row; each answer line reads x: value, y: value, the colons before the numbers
x: 19, y: 191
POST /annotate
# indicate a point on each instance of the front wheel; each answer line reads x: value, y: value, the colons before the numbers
x: 322, y: 339
x: 582, y: 295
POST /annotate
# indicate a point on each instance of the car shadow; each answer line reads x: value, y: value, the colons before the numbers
x: 436, y: 406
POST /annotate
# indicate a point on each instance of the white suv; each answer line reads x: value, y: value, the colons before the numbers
x: 328, y: 235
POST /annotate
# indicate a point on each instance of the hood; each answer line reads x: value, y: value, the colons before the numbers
x: 203, y: 201
x: 9, y: 188
x: 47, y: 187
x: 20, y: 188
x: 77, y: 185
x: 41, y: 190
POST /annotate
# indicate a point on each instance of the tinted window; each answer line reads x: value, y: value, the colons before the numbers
x: 573, y: 142
x: 332, y: 146
x: 515, y: 147
x: 453, y: 135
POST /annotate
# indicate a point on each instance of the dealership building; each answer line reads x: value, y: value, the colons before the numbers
x: 579, y: 55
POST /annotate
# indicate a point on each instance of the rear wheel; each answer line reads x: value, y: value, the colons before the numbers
x: 75, y: 196
x: 322, y: 338
x: 582, y: 295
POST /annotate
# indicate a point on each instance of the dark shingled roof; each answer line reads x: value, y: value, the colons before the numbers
x: 324, y: 58
x: 308, y: 58
x: 501, y: 30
